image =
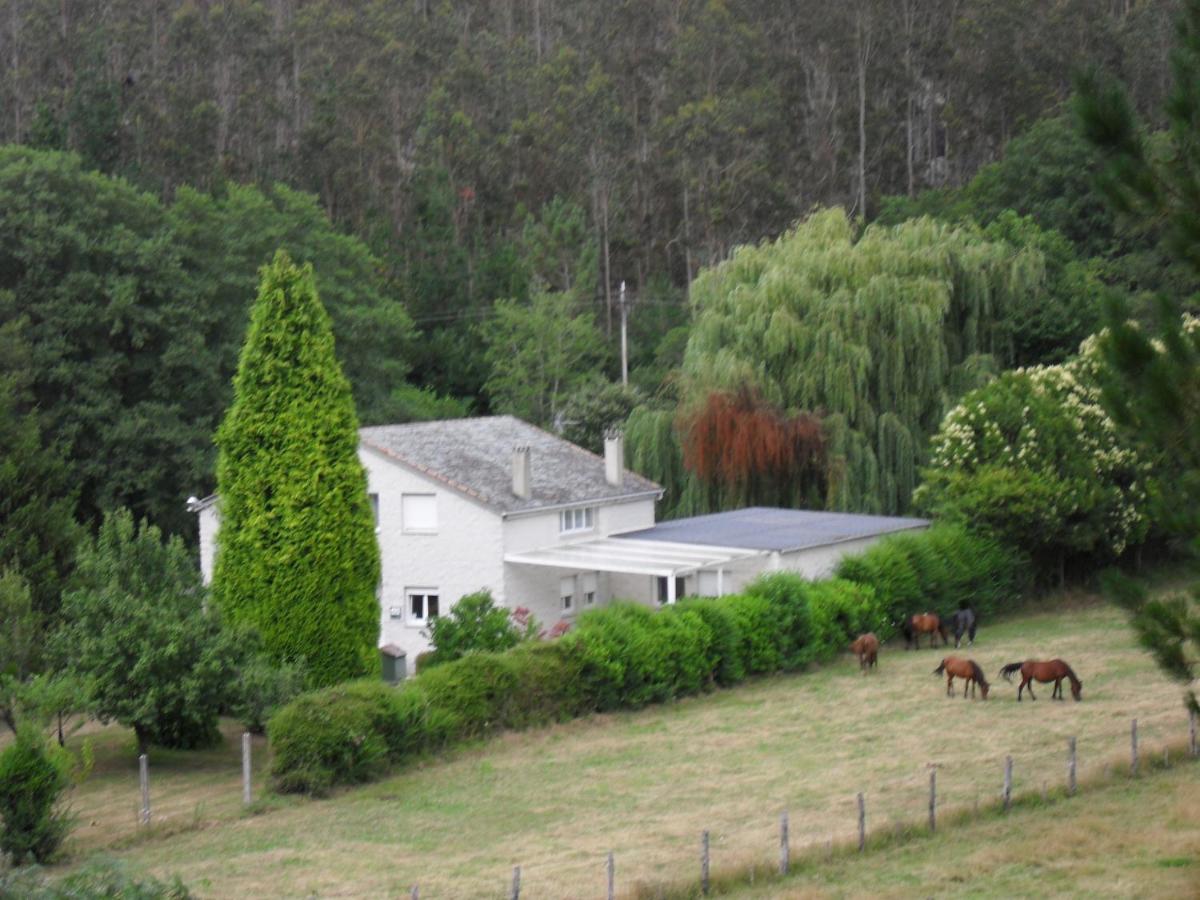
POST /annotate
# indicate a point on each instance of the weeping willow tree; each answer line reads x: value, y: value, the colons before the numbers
x: 874, y: 333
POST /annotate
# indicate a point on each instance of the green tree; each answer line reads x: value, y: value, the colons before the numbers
x: 136, y: 633
x: 539, y: 354
x: 20, y: 643
x: 297, y: 558
x: 1154, y: 384
x: 37, y: 495
x: 1034, y: 460
x: 870, y: 329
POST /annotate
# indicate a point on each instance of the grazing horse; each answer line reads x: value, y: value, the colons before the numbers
x: 963, y: 622
x: 966, y: 669
x: 923, y: 623
x: 867, y: 648
x: 1044, y: 671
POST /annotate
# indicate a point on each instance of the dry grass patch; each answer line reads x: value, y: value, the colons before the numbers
x: 646, y: 784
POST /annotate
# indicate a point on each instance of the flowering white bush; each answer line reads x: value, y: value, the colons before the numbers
x: 1034, y: 458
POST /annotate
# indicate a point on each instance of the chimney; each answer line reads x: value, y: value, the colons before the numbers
x: 522, y: 484
x: 614, y: 457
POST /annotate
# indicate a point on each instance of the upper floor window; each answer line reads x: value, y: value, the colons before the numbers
x: 582, y: 518
x: 418, y: 513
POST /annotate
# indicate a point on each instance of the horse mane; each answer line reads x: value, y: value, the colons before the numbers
x: 1071, y: 674
x: 978, y: 672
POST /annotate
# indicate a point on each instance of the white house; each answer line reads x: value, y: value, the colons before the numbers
x: 466, y: 504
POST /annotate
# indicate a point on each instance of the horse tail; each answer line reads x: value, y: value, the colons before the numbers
x: 1008, y: 670
x: 978, y: 673
x: 940, y: 669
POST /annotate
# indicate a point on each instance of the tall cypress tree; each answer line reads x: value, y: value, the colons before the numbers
x: 296, y: 551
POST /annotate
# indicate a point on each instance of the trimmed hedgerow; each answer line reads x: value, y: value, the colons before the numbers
x: 935, y: 570
x: 627, y: 655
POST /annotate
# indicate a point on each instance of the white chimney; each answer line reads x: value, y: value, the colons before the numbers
x: 614, y: 458
x: 522, y: 484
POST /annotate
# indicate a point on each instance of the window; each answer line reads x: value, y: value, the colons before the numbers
x: 422, y: 604
x: 579, y: 519
x: 374, y: 499
x: 566, y: 591
x: 587, y: 588
x: 418, y: 513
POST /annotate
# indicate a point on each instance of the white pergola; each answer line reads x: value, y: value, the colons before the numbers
x: 636, y: 557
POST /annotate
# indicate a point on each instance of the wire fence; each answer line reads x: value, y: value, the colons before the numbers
x: 882, y: 811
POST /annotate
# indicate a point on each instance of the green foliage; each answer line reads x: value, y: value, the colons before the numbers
x: 1034, y: 460
x: 474, y: 624
x: 344, y: 734
x: 102, y: 879
x: 297, y: 558
x: 20, y: 640
x: 409, y: 403
x: 596, y: 407
x: 137, y: 635
x: 935, y: 570
x: 32, y: 779
x: 1152, y: 381
x: 539, y: 353
x: 261, y: 688
x: 869, y: 329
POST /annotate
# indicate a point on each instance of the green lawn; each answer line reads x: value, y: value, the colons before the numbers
x: 645, y: 784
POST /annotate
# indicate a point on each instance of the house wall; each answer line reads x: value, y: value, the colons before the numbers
x: 538, y: 588
x: 209, y: 523
x: 463, y: 556
x: 819, y: 562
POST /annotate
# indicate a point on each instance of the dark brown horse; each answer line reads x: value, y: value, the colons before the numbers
x: 923, y: 623
x: 1044, y: 671
x: 966, y: 669
x: 866, y: 646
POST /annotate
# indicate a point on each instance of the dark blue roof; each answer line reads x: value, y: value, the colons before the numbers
x: 767, y: 528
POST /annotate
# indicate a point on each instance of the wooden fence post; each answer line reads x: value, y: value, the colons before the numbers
x: 612, y: 876
x: 1192, y: 731
x: 704, y: 864
x: 1071, y: 766
x: 933, y: 799
x: 246, y: 792
x: 1007, y: 782
x: 516, y: 883
x: 144, y: 780
x: 862, y: 823
x: 1133, y: 750
x: 416, y: 893
x: 784, y: 848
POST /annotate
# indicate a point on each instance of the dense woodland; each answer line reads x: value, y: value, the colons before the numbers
x: 472, y: 182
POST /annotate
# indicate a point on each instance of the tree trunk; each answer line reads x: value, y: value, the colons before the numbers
x: 862, y: 35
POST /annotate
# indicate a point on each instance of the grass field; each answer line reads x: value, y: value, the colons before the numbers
x: 645, y: 784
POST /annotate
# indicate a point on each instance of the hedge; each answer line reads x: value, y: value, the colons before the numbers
x: 626, y: 656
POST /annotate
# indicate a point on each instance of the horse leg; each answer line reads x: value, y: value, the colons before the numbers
x: 1056, y: 694
x: 1021, y: 688
x: 1030, y: 683
x: 949, y: 685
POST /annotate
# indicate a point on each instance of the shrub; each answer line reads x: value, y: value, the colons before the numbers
x: 726, y: 665
x: 788, y: 593
x: 261, y: 689
x: 474, y: 623
x: 32, y: 778
x: 761, y: 639
x: 549, y: 683
x: 936, y: 569
x: 99, y: 879
x: 467, y: 695
x: 840, y: 611
x: 339, y: 735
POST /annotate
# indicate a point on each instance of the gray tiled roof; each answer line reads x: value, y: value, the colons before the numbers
x: 767, y: 528
x: 474, y: 457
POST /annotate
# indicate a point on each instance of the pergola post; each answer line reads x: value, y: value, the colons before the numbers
x: 671, y: 589
x: 720, y: 581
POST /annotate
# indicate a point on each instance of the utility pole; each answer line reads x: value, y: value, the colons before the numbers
x: 624, y: 339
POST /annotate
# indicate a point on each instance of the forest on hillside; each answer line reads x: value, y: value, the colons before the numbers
x: 832, y: 221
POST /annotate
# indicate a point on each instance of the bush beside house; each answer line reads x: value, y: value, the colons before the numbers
x: 627, y: 656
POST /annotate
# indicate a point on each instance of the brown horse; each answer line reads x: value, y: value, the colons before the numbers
x: 867, y: 648
x: 923, y: 623
x: 966, y: 669
x: 1044, y: 671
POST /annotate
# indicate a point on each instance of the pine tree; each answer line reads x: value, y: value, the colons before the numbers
x: 1154, y: 388
x: 296, y: 552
